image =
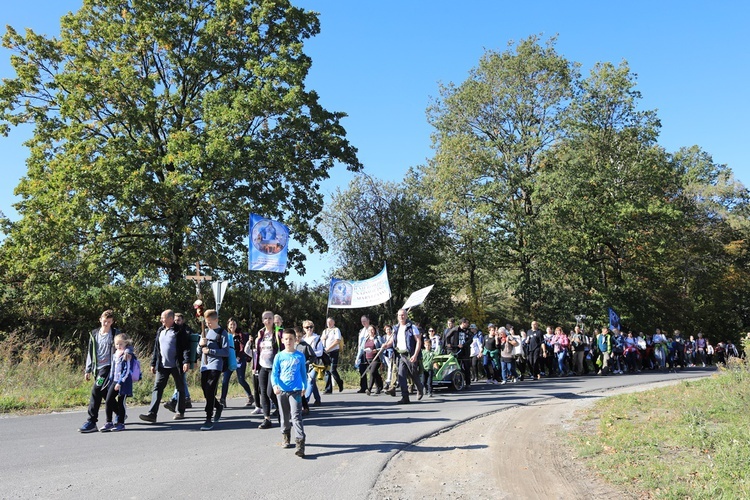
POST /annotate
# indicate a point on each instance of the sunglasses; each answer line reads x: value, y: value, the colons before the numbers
x: 307, y: 327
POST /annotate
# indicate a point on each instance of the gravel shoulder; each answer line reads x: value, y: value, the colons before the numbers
x: 518, y: 453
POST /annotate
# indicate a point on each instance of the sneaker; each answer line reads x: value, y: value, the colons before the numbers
x: 179, y: 416
x: 515, y: 380
x: 492, y: 381
x: 188, y: 403
x: 170, y: 405
x: 118, y: 428
x: 361, y: 391
x: 266, y: 424
x: 249, y: 403
x: 207, y: 426
x: 88, y: 426
x: 420, y: 395
x: 147, y: 417
x: 217, y: 416
x: 107, y: 427
x: 503, y: 382
x: 403, y: 401
x: 317, y: 403
x: 256, y: 411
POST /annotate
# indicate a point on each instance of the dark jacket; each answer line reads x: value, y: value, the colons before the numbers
x: 452, y: 339
x: 183, y: 347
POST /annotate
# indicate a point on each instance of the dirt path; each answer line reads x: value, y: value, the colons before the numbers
x: 512, y: 454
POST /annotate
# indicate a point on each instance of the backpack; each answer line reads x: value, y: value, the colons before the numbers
x: 232, y: 358
x: 135, y: 369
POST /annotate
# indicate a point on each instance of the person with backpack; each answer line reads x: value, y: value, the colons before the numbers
x: 604, y: 344
x: 266, y: 346
x: 313, y: 340
x: 121, y: 382
x: 171, y: 357
x: 99, y: 362
x: 214, y: 351
x: 407, y: 343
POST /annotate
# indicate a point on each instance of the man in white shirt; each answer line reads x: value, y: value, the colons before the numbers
x: 408, y: 346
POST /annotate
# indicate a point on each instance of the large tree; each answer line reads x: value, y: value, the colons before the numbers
x: 158, y: 127
x: 374, y: 222
x: 609, y: 205
x: 491, y: 134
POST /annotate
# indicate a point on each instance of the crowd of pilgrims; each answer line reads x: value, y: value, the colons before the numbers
x: 503, y: 355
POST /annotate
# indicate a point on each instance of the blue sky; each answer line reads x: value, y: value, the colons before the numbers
x: 380, y: 62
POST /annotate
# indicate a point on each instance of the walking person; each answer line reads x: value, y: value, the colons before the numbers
x: 289, y: 381
x: 362, y: 337
x: 371, y: 360
x: 214, y: 350
x: 331, y: 345
x: 458, y: 341
x: 171, y: 405
x: 121, y: 383
x: 313, y: 340
x: 408, y: 346
x: 99, y: 362
x: 267, y: 346
x: 170, y: 358
x: 537, y: 350
x: 240, y: 340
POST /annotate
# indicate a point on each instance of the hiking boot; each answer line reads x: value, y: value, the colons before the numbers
x: 179, y: 416
x: 88, y: 426
x: 286, y: 438
x: 266, y: 424
x: 217, y: 416
x: 188, y: 403
x: 170, y: 405
x: 107, y: 427
x: 148, y: 417
x: 300, y: 451
x: 118, y: 428
x: 207, y: 426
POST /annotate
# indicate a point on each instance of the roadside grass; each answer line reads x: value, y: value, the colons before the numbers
x: 690, y: 440
x: 39, y: 375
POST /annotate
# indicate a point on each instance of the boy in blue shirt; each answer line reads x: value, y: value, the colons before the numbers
x: 289, y: 381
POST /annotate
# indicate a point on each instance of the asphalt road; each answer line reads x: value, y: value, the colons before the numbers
x: 349, y: 441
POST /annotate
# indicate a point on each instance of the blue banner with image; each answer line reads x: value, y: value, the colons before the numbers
x: 268, y: 244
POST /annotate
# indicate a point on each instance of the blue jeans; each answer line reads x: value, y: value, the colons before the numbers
x: 508, y: 369
x: 312, y: 385
x: 241, y: 367
x: 561, y: 362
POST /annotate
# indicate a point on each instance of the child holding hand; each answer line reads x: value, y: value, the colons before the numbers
x: 121, y: 383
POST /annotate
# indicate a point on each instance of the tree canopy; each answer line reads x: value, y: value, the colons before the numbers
x: 159, y: 126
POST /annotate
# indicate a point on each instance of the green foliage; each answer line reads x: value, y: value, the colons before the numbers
x: 158, y: 127
x: 558, y: 200
x: 374, y: 223
x: 491, y: 134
